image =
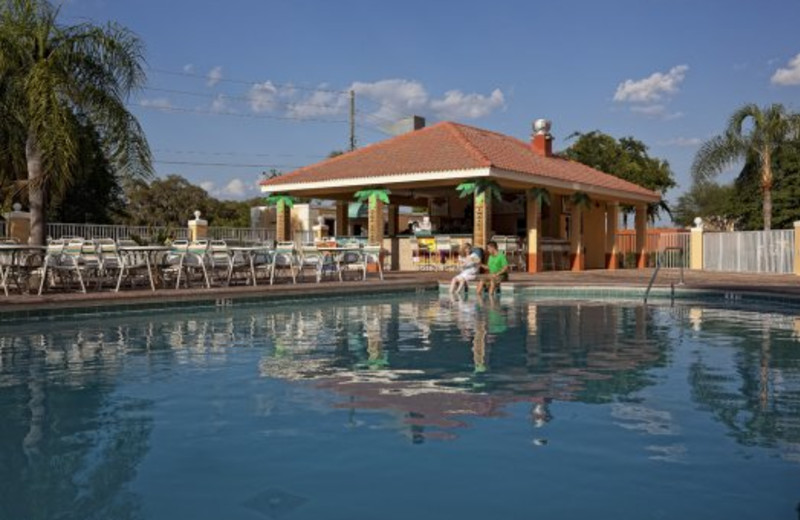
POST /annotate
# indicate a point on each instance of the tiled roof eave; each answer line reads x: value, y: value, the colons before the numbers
x: 639, y: 195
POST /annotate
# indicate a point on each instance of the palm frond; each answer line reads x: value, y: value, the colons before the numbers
x: 716, y: 154
x: 540, y: 195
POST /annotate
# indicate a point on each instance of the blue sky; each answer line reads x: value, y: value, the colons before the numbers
x: 238, y: 87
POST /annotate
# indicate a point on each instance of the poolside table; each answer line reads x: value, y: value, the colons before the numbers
x: 14, y: 253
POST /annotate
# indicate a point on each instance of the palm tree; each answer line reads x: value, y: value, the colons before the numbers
x: 375, y: 216
x: 282, y: 202
x: 480, y: 187
x: 56, y: 78
x: 772, y: 127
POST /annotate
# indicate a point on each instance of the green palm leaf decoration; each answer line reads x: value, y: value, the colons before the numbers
x: 373, y: 195
x: 480, y: 188
x: 540, y: 195
x: 280, y: 201
x: 580, y: 199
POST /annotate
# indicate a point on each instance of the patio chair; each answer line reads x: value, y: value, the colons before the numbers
x: 284, y: 260
x: 220, y: 260
x: 129, y: 265
x: 186, y: 258
x: 353, y: 260
x: 372, y: 255
x: 63, y: 262
x: 316, y: 261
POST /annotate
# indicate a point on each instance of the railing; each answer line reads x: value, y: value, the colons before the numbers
x: 749, y: 251
x: 229, y: 234
x: 664, y: 245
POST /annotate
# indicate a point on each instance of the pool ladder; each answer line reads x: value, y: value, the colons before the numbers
x: 658, y: 268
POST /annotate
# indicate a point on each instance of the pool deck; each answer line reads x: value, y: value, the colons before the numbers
x: 774, y: 285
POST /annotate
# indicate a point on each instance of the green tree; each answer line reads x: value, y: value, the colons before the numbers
x: 769, y: 128
x: 626, y: 158
x: 55, y: 77
x: 171, y: 201
x: 715, y: 203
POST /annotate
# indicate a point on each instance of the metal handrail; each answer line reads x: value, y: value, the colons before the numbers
x: 658, y: 268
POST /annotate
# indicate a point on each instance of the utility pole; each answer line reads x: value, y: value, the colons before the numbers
x: 352, y: 120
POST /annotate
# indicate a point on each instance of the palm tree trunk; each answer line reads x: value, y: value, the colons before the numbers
x: 36, y: 192
x: 766, y: 188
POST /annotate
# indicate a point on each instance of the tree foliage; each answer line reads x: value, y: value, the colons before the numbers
x: 714, y: 203
x: 56, y: 78
x: 753, y: 134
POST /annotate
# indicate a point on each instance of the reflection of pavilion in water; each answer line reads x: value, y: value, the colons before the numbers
x: 432, y: 364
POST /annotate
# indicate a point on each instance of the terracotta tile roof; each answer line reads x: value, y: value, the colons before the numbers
x: 452, y: 146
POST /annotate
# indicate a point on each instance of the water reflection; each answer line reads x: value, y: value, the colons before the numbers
x: 431, y: 366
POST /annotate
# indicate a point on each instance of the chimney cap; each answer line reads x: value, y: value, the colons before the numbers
x: 542, y: 126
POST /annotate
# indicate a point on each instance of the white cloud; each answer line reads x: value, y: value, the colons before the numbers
x: 235, y: 188
x: 682, y: 141
x: 263, y: 97
x: 652, y: 88
x: 457, y: 105
x: 320, y: 103
x: 220, y: 103
x: 788, y: 76
x: 188, y: 68
x: 161, y: 103
x: 214, y: 76
x: 396, y: 97
x: 208, y: 186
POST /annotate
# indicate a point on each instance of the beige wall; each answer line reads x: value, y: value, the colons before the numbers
x: 594, y: 235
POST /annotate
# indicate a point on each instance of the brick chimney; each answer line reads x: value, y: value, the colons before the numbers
x: 541, y: 140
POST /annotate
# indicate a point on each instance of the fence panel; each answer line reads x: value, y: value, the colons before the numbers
x: 666, y: 246
x: 238, y: 235
x: 749, y: 251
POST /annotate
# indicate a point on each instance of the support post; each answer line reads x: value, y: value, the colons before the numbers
x: 641, y: 236
x: 533, y: 213
x: 576, y: 260
x: 283, y: 223
x: 18, y: 224
x: 375, y: 223
x: 394, y: 219
x: 696, y: 246
x: 482, y: 220
x: 797, y: 247
x: 612, y: 217
x: 198, y: 228
x: 342, y: 218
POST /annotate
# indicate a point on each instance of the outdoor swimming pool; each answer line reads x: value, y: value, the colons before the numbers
x: 402, y: 407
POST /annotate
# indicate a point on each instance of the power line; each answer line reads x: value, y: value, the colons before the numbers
x: 242, y: 81
x: 226, y: 165
x: 233, y: 114
x: 237, y: 98
x: 199, y: 152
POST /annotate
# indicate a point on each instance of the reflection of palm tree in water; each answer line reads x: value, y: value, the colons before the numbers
x: 58, y: 465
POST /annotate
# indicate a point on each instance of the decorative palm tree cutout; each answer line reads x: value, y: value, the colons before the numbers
x: 479, y: 187
x: 580, y: 199
x: 540, y: 195
x: 280, y: 201
x: 373, y: 195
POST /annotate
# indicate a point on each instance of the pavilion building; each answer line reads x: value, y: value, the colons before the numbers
x: 422, y: 168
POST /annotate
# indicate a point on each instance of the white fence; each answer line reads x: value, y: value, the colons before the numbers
x: 749, y: 251
x: 230, y: 234
x: 671, y: 249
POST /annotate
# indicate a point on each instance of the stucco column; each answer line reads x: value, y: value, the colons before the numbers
x: 394, y: 219
x: 375, y: 223
x: 18, y: 224
x: 797, y: 247
x: 533, y: 212
x: 198, y: 228
x: 612, y: 217
x: 283, y: 223
x: 576, y: 260
x: 696, y: 246
x: 641, y: 236
x: 482, y: 220
x: 342, y: 218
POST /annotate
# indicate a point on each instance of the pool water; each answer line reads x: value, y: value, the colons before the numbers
x: 402, y: 407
